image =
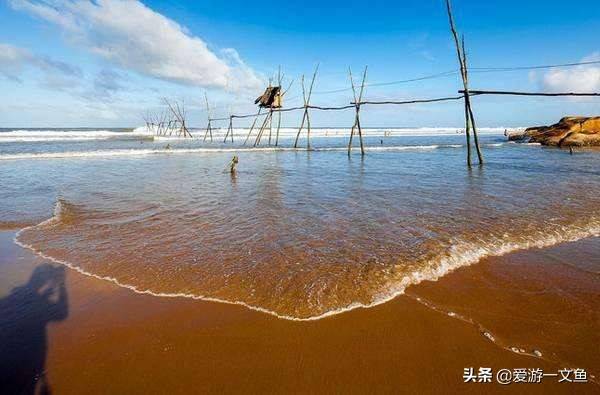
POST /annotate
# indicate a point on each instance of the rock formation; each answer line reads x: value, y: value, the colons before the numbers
x: 568, y: 132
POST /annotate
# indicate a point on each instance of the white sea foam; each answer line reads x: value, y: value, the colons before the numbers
x: 459, y: 255
x: 220, y: 132
x: 58, y: 135
x: 47, y: 139
x: 164, y: 151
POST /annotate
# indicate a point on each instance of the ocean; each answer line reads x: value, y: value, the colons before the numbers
x: 299, y: 234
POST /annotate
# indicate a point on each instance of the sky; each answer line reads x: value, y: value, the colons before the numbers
x: 107, y: 63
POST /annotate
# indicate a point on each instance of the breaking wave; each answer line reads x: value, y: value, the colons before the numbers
x: 461, y: 253
x: 59, y: 135
x: 144, y: 152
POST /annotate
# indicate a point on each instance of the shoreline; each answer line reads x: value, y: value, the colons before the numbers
x: 446, y: 265
x: 132, y: 337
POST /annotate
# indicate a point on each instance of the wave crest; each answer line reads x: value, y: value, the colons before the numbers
x: 458, y: 254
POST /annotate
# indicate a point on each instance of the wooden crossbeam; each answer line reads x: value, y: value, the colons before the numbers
x: 513, y: 93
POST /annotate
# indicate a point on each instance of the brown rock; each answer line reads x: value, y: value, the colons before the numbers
x: 568, y: 132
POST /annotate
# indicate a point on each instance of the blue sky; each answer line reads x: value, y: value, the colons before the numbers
x: 105, y: 63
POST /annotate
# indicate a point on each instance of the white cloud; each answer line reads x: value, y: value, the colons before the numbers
x: 13, y: 61
x: 55, y: 74
x: 131, y: 35
x: 584, y: 78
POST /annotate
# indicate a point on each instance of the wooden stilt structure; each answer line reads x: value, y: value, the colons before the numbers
x: 272, y: 99
x: 306, y: 116
x: 179, y: 114
x: 173, y: 120
x: 267, y: 120
x: 357, y: 103
x: 462, y: 60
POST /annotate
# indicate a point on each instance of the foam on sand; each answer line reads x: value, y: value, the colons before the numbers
x: 460, y: 254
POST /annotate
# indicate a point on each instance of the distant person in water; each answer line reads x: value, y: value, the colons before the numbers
x: 24, y: 316
x: 233, y: 164
x: 168, y: 146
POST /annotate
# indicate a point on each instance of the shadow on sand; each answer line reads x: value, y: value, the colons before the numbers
x: 24, y: 315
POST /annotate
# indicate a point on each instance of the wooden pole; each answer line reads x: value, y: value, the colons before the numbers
x: 278, y: 127
x: 470, y: 109
x: 357, y: 104
x: 282, y: 94
x: 262, y: 129
x: 271, y: 117
x: 229, y: 129
x: 179, y: 114
x: 312, y: 84
x: 468, y: 134
x: 270, y: 124
x: 208, y: 126
x: 304, y: 114
x: 306, y: 117
x: 461, y: 61
x: 513, y: 93
x: 307, y: 131
x: 253, y: 125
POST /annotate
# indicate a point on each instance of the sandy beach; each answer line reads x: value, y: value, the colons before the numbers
x: 306, y: 198
x: 115, y: 341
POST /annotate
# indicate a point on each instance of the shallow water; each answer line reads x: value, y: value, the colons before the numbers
x: 299, y: 234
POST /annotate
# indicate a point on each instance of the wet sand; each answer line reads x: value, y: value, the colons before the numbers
x: 116, y: 341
